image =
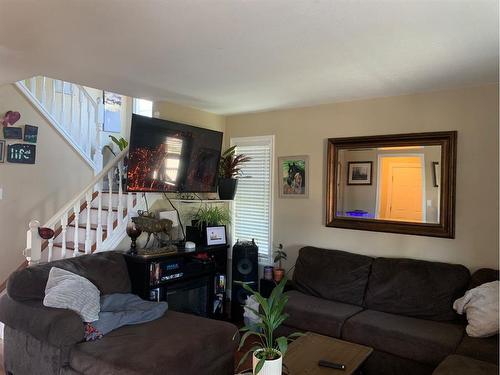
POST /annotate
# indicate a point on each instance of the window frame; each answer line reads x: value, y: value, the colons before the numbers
x: 253, y: 141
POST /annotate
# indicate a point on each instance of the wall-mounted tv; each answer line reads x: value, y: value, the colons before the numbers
x: 166, y: 156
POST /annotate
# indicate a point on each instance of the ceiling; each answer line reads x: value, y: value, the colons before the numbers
x: 234, y: 56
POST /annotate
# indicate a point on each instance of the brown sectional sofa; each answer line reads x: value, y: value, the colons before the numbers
x: 41, y: 340
x: 400, y: 307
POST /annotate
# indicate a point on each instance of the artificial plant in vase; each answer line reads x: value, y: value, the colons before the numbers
x: 229, y: 170
x: 268, y: 351
x: 279, y: 256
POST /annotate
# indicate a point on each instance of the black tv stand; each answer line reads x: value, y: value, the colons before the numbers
x: 189, y: 280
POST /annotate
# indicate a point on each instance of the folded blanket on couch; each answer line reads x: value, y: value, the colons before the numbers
x: 118, y: 310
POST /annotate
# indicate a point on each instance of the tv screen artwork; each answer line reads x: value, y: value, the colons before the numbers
x: 166, y: 156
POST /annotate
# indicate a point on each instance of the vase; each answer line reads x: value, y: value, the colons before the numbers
x: 271, y: 367
x: 227, y: 188
x: 278, y: 274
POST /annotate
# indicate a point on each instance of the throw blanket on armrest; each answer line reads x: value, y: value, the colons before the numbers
x: 118, y: 310
x: 481, y: 307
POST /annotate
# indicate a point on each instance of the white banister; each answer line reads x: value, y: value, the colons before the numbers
x: 99, y: 216
x: 51, y: 245
x: 88, y: 244
x: 109, y: 224
x: 33, y: 251
x: 76, y: 220
x: 64, y: 226
x: 120, y: 190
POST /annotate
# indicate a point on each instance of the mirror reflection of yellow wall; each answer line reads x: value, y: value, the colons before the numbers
x: 402, y: 189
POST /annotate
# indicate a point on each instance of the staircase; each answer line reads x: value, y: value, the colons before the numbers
x: 94, y: 220
x: 72, y: 111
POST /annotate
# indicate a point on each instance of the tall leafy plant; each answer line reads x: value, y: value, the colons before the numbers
x: 120, y: 142
x: 230, y: 163
x: 213, y: 216
x: 267, y: 346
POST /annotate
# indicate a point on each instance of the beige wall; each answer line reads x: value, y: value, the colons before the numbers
x: 34, y: 191
x: 473, y: 112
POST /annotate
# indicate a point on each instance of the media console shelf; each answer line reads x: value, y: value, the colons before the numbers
x: 190, y: 281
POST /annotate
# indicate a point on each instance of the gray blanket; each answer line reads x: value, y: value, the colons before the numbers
x: 118, y: 310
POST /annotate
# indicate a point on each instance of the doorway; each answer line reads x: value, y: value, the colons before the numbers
x: 401, y: 188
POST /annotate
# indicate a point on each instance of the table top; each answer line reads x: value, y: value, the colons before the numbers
x: 304, y: 354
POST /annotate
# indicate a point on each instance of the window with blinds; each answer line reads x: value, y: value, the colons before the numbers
x: 253, y: 201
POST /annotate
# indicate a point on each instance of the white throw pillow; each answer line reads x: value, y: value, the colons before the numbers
x: 67, y: 290
x: 481, y: 307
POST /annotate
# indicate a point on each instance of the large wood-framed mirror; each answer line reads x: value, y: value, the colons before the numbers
x: 401, y: 183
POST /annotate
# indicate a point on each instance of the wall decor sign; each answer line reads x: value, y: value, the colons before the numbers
x: 112, y: 112
x: 2, y: 151
x: 293, y: 176
x: 10, y: 118
x: 30, y: 133
x: 21, y: 153
x: 359, y: 173
x: 12, y: 133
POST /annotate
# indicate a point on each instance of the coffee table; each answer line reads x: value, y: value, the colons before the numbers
x: 304, y: 353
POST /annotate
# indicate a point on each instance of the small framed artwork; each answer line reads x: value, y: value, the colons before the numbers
x: 21, y: 153
x: 112, y: 112
x: 2, y: 151
x: 359, y: 173
x: 293, y: 176
x: 436, y: 173
x: 30, y: 133
x: 216, y: 235
x: 12, y: 132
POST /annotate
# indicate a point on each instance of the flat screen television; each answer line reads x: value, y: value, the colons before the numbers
x: 166, y: 156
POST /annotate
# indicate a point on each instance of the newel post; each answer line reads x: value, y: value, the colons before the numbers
x: 33, y: 251
x: 99, y: 121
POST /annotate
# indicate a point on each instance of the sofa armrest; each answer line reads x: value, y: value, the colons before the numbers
x: 59, y: 327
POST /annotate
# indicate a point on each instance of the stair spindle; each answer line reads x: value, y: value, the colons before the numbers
x: 99, y: 216
x: 120, y: 192
x: 76, y: 210
x: 50, y: 246
x: 89, y: 131
x: 44, y: 92
x: 53, y: 99
x: 33, y: 86
x: 63, y: 120
x: 64, y: 225
x: 80, y: 117
x: 88, y: 244
x: 110, y: 201
x: 71, y: 126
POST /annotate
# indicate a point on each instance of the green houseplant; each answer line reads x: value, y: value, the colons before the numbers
x: 268, y: 351
x: 229, y: 170
x: 120, y: 142
x: 279, y: 256
x: 211, y: 216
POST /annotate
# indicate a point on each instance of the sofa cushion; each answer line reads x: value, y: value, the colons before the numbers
x: 332, y: 274
x: 459, y: 365
x: 421, y: 340
x: 175, y: 344
x: 106, y: 270
x: 483, y: 349
x: 416, y: 288
x: 482, y: 276
x: 309, y: 313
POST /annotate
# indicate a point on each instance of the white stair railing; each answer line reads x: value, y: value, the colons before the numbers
x: 84, y: 225
x: 72, y: 112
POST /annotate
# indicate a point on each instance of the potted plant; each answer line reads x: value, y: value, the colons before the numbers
x: 121, y: 143
x: 268, y: 351
x: 229, y: 171
x: 279, y: 256
x: 212, y: 216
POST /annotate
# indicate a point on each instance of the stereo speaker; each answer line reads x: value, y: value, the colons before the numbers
x: 244, y: 271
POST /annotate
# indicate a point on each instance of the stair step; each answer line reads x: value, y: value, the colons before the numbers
x: 70, y: 245
x: 92, y: 226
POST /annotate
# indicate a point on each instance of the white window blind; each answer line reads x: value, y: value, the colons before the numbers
x: 253, y: 200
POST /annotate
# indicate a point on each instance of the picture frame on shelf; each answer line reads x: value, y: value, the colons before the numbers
x: 216, y: 235
x: 293, y: 176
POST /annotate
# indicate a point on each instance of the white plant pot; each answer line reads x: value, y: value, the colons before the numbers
x: 272, y: 367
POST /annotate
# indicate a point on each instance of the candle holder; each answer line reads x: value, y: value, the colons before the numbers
x: 133, y: 232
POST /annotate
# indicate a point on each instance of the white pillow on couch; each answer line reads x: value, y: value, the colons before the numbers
x: 67, y: 290
x: 481, y: 307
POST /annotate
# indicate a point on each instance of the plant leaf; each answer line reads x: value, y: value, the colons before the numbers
x: 282, y: 344
x: 259, y: 366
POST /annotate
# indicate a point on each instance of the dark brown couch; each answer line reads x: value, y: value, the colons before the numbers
x: 400, y: 307
x: 41, y: 340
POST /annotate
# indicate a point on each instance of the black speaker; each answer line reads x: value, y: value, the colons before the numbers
x: 245, y: 270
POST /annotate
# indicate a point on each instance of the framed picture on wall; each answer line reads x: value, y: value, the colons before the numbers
x: 293, y: 176
x: 2, y: 151
x: 112, y: 112
x: 359, y: 173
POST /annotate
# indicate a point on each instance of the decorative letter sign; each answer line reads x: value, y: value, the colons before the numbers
x: 21, y: 153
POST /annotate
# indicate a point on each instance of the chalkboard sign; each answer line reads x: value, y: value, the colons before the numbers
x: 21, y: 153
x: 12, y: 133
x: 30, y: 133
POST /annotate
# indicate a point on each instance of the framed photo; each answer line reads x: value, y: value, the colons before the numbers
x: 293, y: 176
x: 30, y: 133
x: 436, y: 174
x: 12, y: 132
x: 2, y: 151
x: 112, y: 112
x: 359, y: 173
x: 216, y: 235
